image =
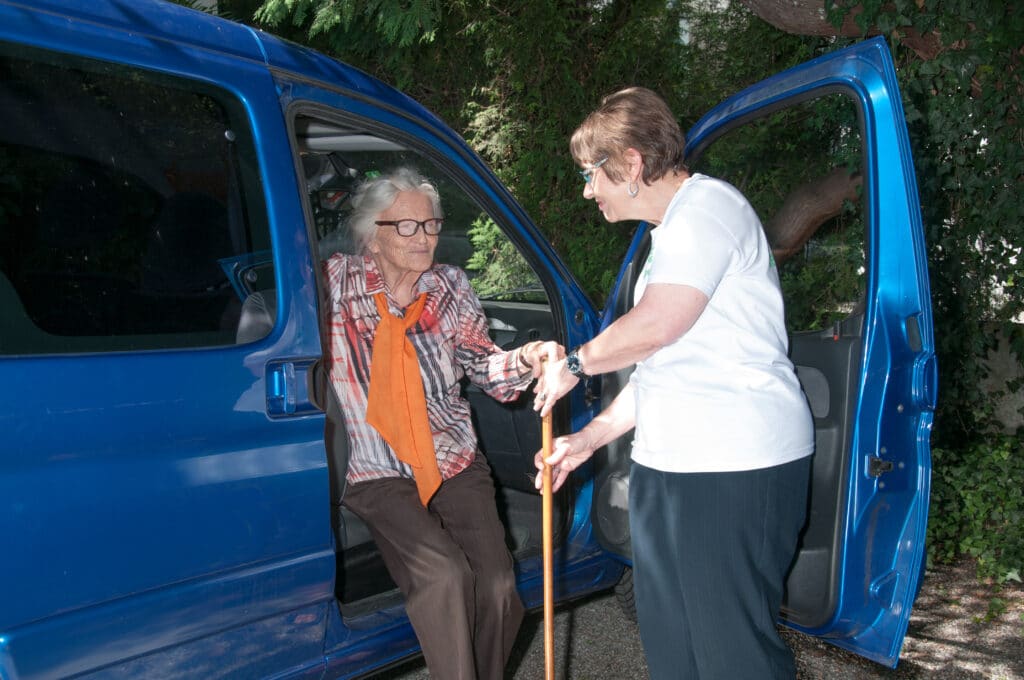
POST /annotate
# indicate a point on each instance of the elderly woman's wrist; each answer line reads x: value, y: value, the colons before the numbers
x: 524, y: 350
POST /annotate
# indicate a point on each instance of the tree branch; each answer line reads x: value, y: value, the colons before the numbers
x: 807, y: 17
x: 807, y: 208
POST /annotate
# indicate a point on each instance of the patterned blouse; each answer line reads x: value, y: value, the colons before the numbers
x: 451, y: 341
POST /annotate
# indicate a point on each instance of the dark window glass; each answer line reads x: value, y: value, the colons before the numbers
x: 131, y: 212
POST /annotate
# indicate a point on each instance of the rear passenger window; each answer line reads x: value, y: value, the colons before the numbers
x: 131, y: 214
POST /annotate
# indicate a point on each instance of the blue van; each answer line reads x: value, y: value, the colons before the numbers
x: 171, y: 471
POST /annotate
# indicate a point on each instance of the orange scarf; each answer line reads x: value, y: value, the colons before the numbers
x: 396, y: 404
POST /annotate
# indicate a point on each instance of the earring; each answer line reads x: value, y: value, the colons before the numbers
x: 631, y: 191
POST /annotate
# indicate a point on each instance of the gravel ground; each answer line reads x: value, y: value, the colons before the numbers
x: 953, y: 635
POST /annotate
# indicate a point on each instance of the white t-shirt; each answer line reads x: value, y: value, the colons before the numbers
x: 724, y: 396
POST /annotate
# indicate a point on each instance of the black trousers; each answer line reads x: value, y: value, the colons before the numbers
x: 710, y: 557
x: 451, y: 563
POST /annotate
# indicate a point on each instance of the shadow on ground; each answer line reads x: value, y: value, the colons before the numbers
x: 953, y: 635
x: 960, y: 629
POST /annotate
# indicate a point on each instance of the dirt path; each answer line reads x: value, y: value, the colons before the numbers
x: 952, y: 635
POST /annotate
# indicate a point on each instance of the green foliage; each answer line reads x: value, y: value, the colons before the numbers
x: 729, y: 49
x: 499, y: 270
x: 823, y: 286
x: 398, y: 23
x: 996, y: 608
x: 977, y: 507
x: 963, y: 111
x: 962, y: 105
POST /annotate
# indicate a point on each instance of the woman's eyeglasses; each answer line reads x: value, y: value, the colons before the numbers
x: 432, y: 227
x: 588, y: 173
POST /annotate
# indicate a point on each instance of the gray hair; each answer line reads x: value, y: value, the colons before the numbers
x: 377, y: 194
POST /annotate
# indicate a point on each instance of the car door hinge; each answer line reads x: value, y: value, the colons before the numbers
x: 878, y: 466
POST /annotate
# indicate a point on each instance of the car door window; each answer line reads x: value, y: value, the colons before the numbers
x: 800, y: 168
x: 131, y: 212
x: 334, y: 165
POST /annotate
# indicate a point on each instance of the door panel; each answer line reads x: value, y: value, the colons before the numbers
x: 155, y: 504
x: 828, y: 367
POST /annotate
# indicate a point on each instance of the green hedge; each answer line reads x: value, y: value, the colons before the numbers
x: 977, y: 507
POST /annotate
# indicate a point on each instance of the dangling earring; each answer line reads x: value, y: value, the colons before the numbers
x: 631, y: 191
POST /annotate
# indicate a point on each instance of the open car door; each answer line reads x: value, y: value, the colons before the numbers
x: 822, y: 153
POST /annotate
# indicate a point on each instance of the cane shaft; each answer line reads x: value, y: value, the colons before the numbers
x: 549, y: 595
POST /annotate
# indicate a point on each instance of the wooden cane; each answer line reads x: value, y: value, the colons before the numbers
x: 549, y: 595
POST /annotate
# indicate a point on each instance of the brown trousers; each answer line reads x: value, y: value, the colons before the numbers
x: 451, y: 563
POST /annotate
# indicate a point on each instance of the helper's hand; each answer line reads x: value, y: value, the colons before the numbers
x: 554, y: 383
x: 567, y: 454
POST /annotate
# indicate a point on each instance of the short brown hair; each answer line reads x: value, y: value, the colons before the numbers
x: 631, y: 118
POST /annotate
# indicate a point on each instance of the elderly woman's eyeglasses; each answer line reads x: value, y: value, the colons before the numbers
x: 588, y: 173
x: 409, y: 227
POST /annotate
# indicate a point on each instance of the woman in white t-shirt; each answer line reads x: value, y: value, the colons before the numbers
x: 723, y: 434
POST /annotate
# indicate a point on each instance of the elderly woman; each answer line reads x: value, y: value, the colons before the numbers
x: 723, y: 434
x: 403, y: 333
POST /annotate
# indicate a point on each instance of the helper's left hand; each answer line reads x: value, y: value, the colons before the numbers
x: 555, y: 383
x: 567, y: 454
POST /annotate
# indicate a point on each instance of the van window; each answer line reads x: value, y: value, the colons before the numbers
x: 131, y: 214
x: 336, y: 158
x: 801, y: 170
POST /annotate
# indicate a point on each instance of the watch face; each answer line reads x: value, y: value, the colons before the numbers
x: 572, y: 362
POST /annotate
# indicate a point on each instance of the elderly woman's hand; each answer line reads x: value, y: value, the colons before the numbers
x: 567, y: 454
x: 533, y: 355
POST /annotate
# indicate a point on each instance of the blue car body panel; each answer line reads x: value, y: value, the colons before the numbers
x: 151, y: 513
x: 163, y: 511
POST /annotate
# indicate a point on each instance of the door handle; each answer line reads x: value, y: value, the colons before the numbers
x: 288, y: 387
x: 926, y: 382
x: 926, y: 375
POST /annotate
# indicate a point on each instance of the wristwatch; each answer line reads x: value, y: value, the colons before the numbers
x: 573, y: 363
